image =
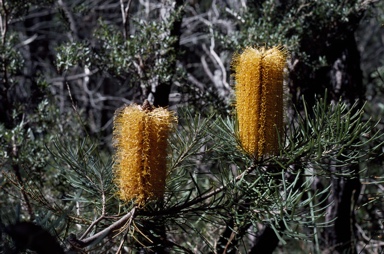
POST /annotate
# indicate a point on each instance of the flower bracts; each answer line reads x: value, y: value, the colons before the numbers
x: 259, y: 99
x: 140, y: 138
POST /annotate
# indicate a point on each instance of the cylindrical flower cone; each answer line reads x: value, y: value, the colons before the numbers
x: 259, y: 99
x: 140, y: 138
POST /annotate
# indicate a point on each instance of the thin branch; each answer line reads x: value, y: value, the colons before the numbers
x: 3, y: 21
x: 70, y: 96
x: 27, y: 41
x: 367, y: 242
x: 73, y: 77
x: 129, y: 216
x: 206, y: 68
x: 4, y: 16
x: 92, y: 225
x: 105, y: 232
x: 206, y: 195
x: 124, y: 14
x: 219, y: 62
x: 126, y: 226
x: 102, y: 216
x: 70, y: 18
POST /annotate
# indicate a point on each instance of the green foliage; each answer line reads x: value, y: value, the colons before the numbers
x: 72, y: 54
x: 134, y: 58
x: 296, y: 25
x: 55, y: 156
x: 11, y: 60
x: 86, y: 173
x: 336, y: 133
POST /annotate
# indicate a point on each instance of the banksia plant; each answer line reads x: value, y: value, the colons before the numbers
x: 140, y: 138
x: 259, y: 99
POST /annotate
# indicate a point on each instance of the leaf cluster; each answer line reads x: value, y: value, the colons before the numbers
x: 90, y: 178
x: 334, y: 133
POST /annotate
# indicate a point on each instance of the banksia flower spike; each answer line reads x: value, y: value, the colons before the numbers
x: 140, y: 138
x: 259, y: 99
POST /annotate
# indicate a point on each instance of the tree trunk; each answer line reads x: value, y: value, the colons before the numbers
x: 346, y: 79
x: 341, y: 237
x: 163, y: 89
x: 267, y: 241
x: 342, y: 79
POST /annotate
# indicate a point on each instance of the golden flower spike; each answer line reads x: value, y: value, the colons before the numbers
x: 259, y: 99
x: 140, y: 138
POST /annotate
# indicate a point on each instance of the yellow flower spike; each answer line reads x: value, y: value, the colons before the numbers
x: 259, y: 99
x: 140, y: 139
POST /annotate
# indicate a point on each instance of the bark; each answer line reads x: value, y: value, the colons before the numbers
x: 27, y: 235
x: 346, y: 79
x: 266, y: 242
x: 341, y: 79
x: 161, y: 96
x: 226, y: 242
x: 232, y: 235
x: 341, y: 237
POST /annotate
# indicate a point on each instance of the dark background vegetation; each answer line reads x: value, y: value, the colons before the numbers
x: 66, y: 66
